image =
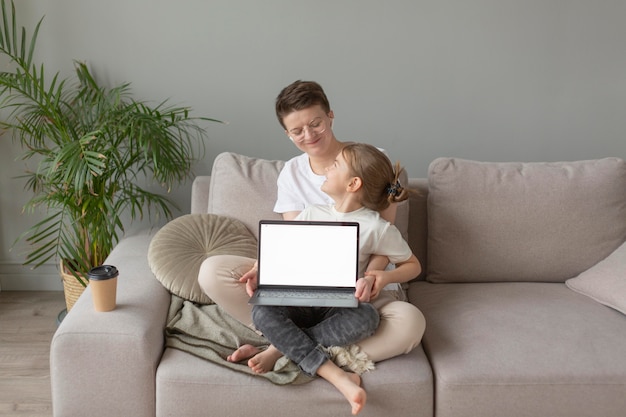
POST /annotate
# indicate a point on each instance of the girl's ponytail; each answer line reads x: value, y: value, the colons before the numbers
x: 395, y: 191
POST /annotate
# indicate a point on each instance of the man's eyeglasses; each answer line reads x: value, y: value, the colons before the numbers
x: 316, y: 127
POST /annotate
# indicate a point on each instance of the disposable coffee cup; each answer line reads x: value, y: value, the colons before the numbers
x: 103, y: 283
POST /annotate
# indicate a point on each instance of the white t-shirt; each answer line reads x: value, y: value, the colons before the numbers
x: 299, y: 186
x: 376, y: 235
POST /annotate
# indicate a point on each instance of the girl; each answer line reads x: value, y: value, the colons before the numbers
x: 362, y: 182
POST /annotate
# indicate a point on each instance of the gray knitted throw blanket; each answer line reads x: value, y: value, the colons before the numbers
x: 206, y: 331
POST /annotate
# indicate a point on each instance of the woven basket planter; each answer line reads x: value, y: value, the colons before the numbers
x: 72, y: 288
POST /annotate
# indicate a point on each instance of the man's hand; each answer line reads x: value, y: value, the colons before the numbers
x: 250, y: 279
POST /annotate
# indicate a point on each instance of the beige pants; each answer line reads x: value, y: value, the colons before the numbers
x: 401, y: 324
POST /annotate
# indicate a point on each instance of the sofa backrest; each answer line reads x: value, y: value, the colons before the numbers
x: 418, y: 220
x: 490, y: 222
x: 244, y: 188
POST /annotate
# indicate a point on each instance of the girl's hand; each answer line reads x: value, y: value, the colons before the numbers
x: 379, y: 281
x: 363, y: 290
x: 250, y: 279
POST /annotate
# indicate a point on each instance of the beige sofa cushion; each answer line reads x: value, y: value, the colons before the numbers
x: 605, y: 282
x: 492, y: 222
x: 252, y: 180
x: 522, y: 349
x: 179, y: 248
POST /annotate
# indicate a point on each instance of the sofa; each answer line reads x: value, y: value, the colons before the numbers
x: 523, y: 291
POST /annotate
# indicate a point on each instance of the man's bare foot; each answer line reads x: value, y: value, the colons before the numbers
x: 242, y: 353
x: 264, y: 361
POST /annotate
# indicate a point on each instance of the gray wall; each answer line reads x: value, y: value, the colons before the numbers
x: 492, y: 80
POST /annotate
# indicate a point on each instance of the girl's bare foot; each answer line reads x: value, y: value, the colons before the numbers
x: 353, y: 392
x: 264, y: 361
x: 242, y: 353
x: 348, y: 383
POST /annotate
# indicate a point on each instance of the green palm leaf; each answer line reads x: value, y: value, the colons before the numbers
x: 91, y: 145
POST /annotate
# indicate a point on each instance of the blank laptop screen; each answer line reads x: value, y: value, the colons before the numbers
x: 308, y: 254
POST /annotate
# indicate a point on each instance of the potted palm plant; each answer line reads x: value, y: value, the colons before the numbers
x: 89, y: 148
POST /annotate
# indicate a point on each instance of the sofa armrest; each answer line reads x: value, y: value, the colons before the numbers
x: 200, y: 194
x: 104, y: 364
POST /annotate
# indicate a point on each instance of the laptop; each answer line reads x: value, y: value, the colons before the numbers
x: 307, y: 263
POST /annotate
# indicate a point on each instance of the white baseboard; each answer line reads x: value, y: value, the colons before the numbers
x: 17, y: 277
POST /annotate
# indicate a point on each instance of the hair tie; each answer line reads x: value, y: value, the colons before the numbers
x: 394, y: 189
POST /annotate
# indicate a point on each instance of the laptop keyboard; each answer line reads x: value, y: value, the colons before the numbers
x: 293, y: 293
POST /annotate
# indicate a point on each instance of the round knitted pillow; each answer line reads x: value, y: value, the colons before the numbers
x: 179, y: 248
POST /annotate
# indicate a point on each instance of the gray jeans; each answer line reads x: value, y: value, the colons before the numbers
x: 301, y: 332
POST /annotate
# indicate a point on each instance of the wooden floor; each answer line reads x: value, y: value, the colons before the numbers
x: 27, y: 323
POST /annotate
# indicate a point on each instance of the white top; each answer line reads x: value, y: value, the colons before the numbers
x: 376, y: 235
x: 299, y: 186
